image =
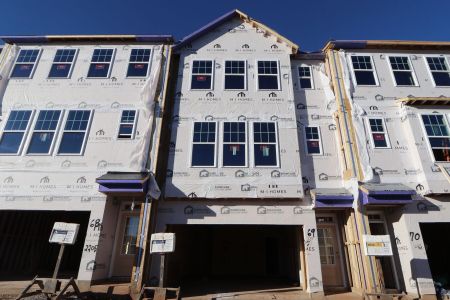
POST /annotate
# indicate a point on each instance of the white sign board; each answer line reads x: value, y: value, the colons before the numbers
x: 377, y: 245
x: 162, y: 243
x: 64, y: 233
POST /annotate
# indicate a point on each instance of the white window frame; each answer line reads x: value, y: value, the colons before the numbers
x: 22, y: 63
x: 192, y: 74
x: 430, y: 72
x: 237, y: 143
x: 253, y: 143
x: 149, y: 62
x: 225, y: 74
x: 62, y: 131
x: 311, y: 79
x: 69, y: 75
x: 32, y: 131
x: 374, y: 70
x: 319, y: 140
x: 110, y: 63
x: 413, y: 73
x: 133, y: 134
x: 216, y: 143
x: 447, y: 123
x: 386, y: 135
x: 25, y: 132
x: 278, y: 74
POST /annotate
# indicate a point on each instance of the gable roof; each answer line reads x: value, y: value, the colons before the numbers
x: 228, y: 16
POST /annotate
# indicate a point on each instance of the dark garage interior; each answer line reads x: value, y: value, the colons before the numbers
x: 24, y: 247
x: 230, y: 258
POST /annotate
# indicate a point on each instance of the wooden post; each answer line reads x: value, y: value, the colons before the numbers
x: 58, y: 262
x: 161, y: 271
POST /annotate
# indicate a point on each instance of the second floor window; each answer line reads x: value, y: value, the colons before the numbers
x: 139, y: 63
x: 363, y: 70
x: 268, y: 75
x: 234, y: 142
x: 265, y: 144
x: 127, y: 124
x: 74, y: 135
x: 439, y: 71
x: 14, y: 132
x: 378, y: 132
x: 204, y: 144
x: 62, y: 63
x: 438, y: 134
x: 235, y: 75
x: 403, y: 73
x: 312, y: 137
x: 101, y: 63
x: 44, y: 132
x: 305, y: 77
x: 25, y: 63
x: 202, y: 74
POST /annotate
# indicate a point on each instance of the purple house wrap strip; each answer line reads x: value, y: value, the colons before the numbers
x: 123, y: 183
x: 391, y: 195
x: 331, y: 198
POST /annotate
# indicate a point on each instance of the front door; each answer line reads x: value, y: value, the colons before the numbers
x: 125, y: 244
x: 330, y: 254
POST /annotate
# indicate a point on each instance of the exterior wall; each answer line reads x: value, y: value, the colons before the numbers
x: 67, y: 182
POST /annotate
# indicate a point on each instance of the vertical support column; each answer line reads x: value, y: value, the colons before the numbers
x: 302, y: 265
x: 312, y: 259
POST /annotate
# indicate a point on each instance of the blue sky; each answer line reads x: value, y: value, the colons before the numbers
x: 308, y: 23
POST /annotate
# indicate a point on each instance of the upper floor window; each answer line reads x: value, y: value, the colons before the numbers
x: 75, y: 132
x: 101, y: 63
x: 268, y: 75
x: 439, y: 70
x: 25, y: 63
x: 204, y: 144
x: 378, y: 132
x: 127, y: 124
x: 305, y: 77
x: 363, y: 70
x: 265, y: 144
x: 403, y: 73
x: 312, y: 137
x: 438, y: 134
x: 235, y: 75
x: 44, y: 132
x: 14, y: 132
x: 139, y: 63
x: 234, y: 142
x: 62, y: 63
x: 202, y: 73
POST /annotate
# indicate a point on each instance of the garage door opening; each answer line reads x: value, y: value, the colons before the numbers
x: 24, y: 247
x: 232, y: 258
x: 437, y: 246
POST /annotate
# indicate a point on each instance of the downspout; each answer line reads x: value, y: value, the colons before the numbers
x: 149, y: 167
x: 353, y: 161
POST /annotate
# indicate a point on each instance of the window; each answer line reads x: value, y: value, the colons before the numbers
x: 130, y: 235
x: 363, y: 70
x: 265, y: 144
x: 100, y: 63
x: 44, y: 132
x: 201, y: 78
x: 268, y: 75
x: 234, y: 141
x: 439, y: 70
x: 403, y: 73
x: 127, y: 124
x: 235, y: 75
x: 312, y: 137
x: 14, y: 131
x: 62, y: 63
x: 204, y: 144
x: 139, y: 63
x: 305, y: 77
x: 437, y: 130
x: 74, y: 134
x: 379, y: 135
x: 25, y: 63
x: 326, y: 239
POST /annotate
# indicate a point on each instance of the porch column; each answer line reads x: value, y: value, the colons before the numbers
x: 312, y: 259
